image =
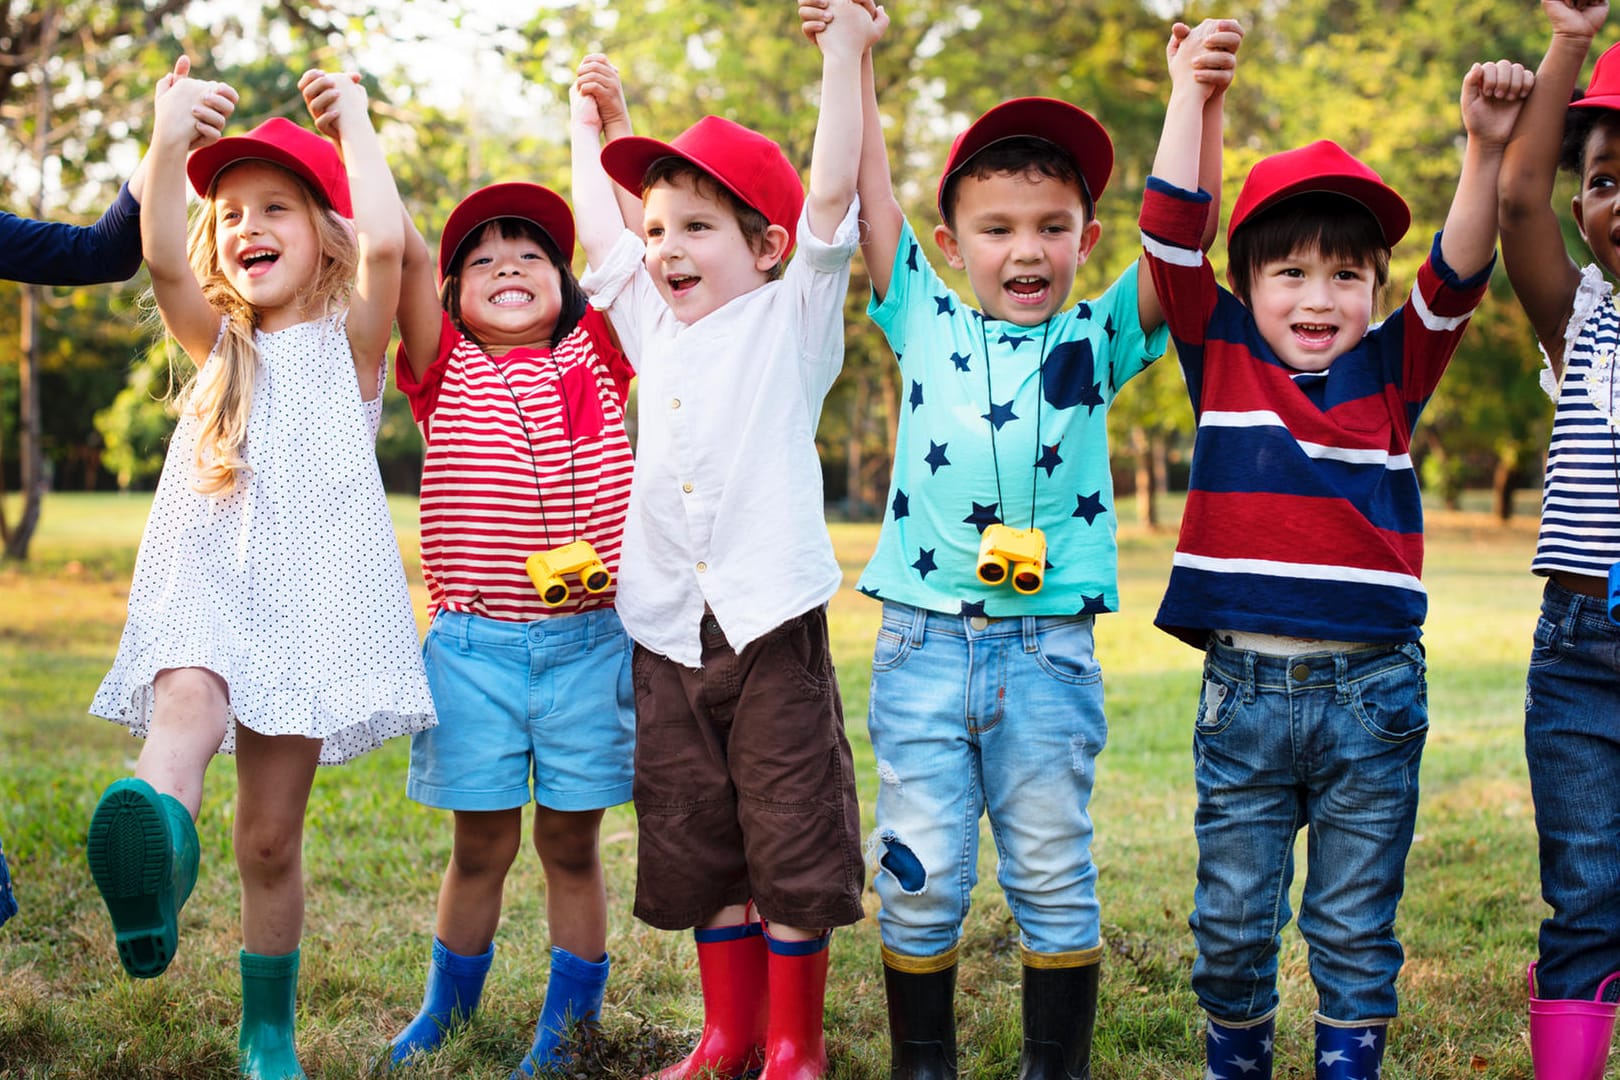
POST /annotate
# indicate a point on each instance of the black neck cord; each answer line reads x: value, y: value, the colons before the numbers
x: 1040, y: 390
x: 534, y: 459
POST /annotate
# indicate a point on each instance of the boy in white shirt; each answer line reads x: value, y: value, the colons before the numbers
x: 744, y: 786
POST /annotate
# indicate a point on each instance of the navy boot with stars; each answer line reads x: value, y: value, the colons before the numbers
x: 1349, y: 1051
x: 1239, y: 1051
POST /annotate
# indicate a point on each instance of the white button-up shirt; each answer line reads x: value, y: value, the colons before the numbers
x: 726, y: 504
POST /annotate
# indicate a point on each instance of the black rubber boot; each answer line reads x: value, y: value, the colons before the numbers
x: 1060, y: 1009
x: 922, y: 1016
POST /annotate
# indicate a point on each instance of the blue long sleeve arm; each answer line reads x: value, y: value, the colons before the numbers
x: 50, y: 253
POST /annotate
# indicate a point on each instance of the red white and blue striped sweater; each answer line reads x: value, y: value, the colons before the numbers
x: 1303, y: 513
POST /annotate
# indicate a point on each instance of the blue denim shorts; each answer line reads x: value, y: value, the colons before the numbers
x: 547, y: 703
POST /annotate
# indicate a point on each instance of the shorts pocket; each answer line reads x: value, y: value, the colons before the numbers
x: 1547, y: 649
x: 1393, y: 704
x: 1217, y: 701
x: 1065, y: 650
x: 893, y: 645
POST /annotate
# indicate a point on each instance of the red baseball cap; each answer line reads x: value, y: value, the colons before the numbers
x: 531, y: 202
x: 743, y: 161
x: 1321, y: 166
x: 1603, y: 92
x: 1069, y: 127
x: 280, y: 142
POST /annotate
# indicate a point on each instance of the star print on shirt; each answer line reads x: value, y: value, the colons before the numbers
x: 916, y: 395
x: 869, y: 591
x: 901, y: 505
x: 925, y: 564
x: 936, y: 456
x: 943, y: 305
x: 972, y: 609
x: 1069, y: 377
x: 1109, y: 328
x: 1014, y: 340
x: 983, y: 516
x: 911, y: 259
x: 1000, y: 414
x: 1093, y: 605
x: 1089, y: 506
x: 960, y: 360
x: 1049, y: 459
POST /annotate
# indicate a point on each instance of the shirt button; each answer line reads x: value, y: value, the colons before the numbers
x: 1301, y: 672
x: 702, y: 566
x: 687, y: 488
x: 674, y: 403
x: 978, y: 622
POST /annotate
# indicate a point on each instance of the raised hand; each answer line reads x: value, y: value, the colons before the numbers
x: 334, y: 100
x: 1492, y: 95
x: 597, y: 94
x: 211, y: 103
x: 1576, y: 18
x: 1206, y: 53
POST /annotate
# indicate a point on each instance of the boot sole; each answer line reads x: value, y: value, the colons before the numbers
x: 132, y: 862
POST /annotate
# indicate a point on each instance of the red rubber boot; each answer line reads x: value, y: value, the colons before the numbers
x: 794, y: 1045
x: 732, y: 970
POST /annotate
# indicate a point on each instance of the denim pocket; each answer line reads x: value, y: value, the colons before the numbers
x: 892, y: 647
x: 1393, y: 704
x: 1217, y: 702
x: 1066, y: 651
x: 1547, y: 648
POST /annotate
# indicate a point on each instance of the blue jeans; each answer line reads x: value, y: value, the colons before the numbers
x: 1572, y: 743
x: 970, y: 715
x: 1327, y: 741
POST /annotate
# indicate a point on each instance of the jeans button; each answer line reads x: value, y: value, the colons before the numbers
x: 1301, y: 672
x: 978, y: 622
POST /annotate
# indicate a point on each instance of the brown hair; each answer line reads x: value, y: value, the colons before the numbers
x: 674, y: 170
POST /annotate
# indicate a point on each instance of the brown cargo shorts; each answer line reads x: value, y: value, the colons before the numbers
x: 744, y: 784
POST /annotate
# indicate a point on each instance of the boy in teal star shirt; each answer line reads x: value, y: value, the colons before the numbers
x: 986, y: 697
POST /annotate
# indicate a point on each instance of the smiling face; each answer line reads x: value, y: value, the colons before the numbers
x: 1021, y: 237
x: 697, y: 253
x: 1597, y: 203
x: 266, y: 241
x: 1311, y: 308
x: 509, y: 293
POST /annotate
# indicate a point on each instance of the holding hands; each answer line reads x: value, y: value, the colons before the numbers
x: 334, y: 101
x: 1492, y: 95
x: 859, y: 23
x: 1576, y: 18
x: 1204, y: 55
x: 191, y: 109
x: 596, y: 97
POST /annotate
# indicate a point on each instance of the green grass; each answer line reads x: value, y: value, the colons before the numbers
x: 373, y: 859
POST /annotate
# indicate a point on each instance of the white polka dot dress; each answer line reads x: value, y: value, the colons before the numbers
x: 291, y: 588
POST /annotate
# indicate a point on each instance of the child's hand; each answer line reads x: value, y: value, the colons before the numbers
x: 1205, y: 54
x: 1576, y: 18
x: 852, y: 26
x: 597, y: 96
x: 211, y: 112
x: 333, y: 100
x: 1492, y: 95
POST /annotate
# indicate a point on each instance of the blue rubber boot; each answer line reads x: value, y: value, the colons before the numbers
x: 570, y: 1016
x: 1239, y: 1049
x: 142, y: 851
x: 454, y: 985
x: 8, y: 902
x: 269, y: 1004
x: 1345, y: 1050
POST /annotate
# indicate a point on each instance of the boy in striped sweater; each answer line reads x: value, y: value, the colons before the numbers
x: 1301, y: 547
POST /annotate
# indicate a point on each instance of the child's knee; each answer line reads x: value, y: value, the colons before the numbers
x: 567, y: 842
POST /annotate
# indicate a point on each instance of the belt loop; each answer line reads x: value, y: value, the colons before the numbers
x: 919, y: 626
x: 1030, y: 629
x: 1248, y: 677
x: 590, y: 628
x: 463, y: 638
x: 1341, y: 677
x: 1572, y: 617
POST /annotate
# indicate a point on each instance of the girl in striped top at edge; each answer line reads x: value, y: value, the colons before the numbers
x: 1572, y: 694
x: 520, y: 391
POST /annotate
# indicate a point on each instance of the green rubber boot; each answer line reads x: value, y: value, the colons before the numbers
x: 269, y: 1001
x: 142, y: 851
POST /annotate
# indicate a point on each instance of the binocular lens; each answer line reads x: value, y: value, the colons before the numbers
x: 1027, y: 581
x: 596, y: 581
x: 555, y: 593
x: 992, y: 573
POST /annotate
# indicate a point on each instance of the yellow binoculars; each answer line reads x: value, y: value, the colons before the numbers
x: 1018, y: 553
x: 547, y: 569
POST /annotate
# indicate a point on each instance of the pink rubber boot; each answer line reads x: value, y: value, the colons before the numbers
x: 1569, y: 1039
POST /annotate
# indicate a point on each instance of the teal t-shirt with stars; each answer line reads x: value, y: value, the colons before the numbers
x: 983, y: 401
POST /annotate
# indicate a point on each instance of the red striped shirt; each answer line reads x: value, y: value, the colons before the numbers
x: 525, y: 452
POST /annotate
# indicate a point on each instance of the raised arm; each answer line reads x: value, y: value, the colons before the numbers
x: 210, y: 115
x: 1202, y: 61
x: 1492, y: 97
x: 338, y: 105
x: 848, y: 32
x: 186, y: 313
x: 420, y: 315
x: 602, y: 209
x: 1533, y: 252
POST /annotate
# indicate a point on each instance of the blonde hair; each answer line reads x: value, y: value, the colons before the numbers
x: 222, y: 394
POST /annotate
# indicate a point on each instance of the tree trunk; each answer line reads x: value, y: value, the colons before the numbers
x: 31, y: 457
x: 1147, y: 512
x: 1503, y: 484
x: 855, y: 504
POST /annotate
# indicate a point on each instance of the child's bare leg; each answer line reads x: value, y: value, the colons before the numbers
x: 191, y: 707
x: 576, y: 893
x: 274, y: 775
x: 486, y: 842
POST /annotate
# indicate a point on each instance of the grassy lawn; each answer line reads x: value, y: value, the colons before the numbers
x: 373, y: 859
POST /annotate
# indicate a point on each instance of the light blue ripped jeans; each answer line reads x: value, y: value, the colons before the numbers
x: 971, y: 715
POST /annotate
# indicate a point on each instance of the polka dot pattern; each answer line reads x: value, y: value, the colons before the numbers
x: 290, y: 588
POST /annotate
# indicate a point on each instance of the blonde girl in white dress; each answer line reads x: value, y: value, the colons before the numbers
x: 268, y: 616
